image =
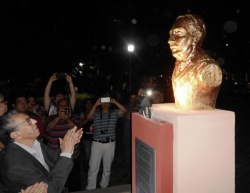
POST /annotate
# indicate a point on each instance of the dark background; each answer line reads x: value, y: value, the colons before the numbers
x: 39, y: 38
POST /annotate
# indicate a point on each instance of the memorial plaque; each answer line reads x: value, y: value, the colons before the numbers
x: 145, y: 167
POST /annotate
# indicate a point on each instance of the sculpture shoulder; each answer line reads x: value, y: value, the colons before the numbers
x: 209, y: 70
x: 201, y: 59
x: 211, y: 74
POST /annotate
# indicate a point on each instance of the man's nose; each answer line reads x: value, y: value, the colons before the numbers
x: 171, y: 40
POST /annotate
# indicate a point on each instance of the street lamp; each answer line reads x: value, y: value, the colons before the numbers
x: 131, y: 48
x: 81, y: 64
x: 81, y: 75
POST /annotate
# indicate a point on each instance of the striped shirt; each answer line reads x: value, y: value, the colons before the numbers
x: 59, y: 131
x: 105, y: 124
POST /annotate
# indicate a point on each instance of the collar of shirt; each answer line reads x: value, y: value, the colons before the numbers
x: 36, y: 151
x: 28, y: 149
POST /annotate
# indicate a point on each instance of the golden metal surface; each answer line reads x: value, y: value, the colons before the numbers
x: 196, y: 77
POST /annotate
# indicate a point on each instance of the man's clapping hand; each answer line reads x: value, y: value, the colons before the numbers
x: 72, y: 137
x: 40, y: 187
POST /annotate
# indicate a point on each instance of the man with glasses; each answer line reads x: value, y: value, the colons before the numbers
x: 27, y: 161
x: 21, y: 105
x: 3, y: 105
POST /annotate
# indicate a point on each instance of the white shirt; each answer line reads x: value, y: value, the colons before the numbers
x: 36, y: 151
x: 52, y: 109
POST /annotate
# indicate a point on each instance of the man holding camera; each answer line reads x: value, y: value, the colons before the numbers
x: 56, y: 127
x: 51, y: 105
x: 103, y: 145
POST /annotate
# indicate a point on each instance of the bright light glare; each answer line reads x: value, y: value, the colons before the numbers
x: 183, y: 93
x: 134, y: 21
x: 81, y: 64
x: 131, y: 47
x: 149, y: 92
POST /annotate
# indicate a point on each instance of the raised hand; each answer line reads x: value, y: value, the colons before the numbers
x: 72, y: 137
x: 68, y: 78
x: 53, y: 77
x: 39, y: 187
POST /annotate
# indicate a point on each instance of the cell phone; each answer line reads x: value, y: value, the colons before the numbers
x: 105, y: 99
x: 60, y: 75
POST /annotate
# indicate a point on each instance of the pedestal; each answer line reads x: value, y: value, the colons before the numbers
x: 185, y: 151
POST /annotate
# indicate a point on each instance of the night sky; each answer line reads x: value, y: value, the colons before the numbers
x: 41, y: 37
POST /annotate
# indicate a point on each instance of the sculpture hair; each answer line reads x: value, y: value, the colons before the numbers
x: 197, y: 26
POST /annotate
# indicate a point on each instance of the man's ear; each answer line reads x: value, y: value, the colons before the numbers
x: 14, y: 135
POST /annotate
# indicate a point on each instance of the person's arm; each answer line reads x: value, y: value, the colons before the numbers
x: 24, y: 172
x: 61, y: 115
x: 72, y: 92
x: 46, y: 97
x: 122, y: 109
x: 85, y: 120
x: 72, y: 123
x: 92, y: 111
x: 51, y: 124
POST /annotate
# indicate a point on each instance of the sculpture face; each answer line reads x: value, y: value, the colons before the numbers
x: 181, y: 39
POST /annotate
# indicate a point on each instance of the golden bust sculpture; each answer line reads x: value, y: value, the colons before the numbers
x: 196, y: 77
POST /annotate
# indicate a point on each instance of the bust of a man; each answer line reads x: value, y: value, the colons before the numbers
x: 196, y: 77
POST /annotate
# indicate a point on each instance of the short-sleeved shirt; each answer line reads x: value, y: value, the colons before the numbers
x: 59, y: 130
x: 105, y: 124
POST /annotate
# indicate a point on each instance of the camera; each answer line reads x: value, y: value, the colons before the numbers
x: 145, y: 103
x: 143, y: 94
x: 60, y: 75
x: 105, y: 99
x: 67, y: 111
x: 104, y: 131
x: 40, y: 109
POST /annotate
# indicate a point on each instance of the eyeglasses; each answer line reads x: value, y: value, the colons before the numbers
x: 4, y: 101
x: 28, y: 120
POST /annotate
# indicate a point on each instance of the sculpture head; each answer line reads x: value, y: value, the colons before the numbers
x: 186, y: 36
x: 197, y: 77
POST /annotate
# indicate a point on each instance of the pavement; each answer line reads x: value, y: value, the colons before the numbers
x: 113, y: 189
x: 117, y: 172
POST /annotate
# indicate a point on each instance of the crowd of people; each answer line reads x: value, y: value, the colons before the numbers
x: 43, y: 147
